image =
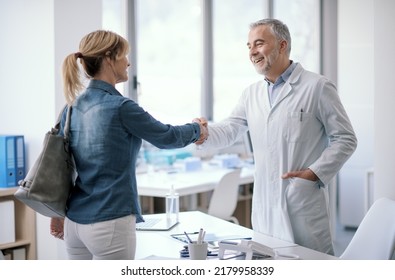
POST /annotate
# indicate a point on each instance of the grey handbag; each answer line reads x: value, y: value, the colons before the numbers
x: 48, y: 183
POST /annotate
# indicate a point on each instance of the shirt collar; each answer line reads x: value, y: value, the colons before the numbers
x: 100, y: 84
x: 284, y: 76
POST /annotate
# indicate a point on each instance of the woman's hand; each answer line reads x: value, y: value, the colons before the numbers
x: 203, y: 130
x: 56, y: 227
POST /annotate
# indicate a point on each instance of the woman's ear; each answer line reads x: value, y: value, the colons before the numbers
x: 108, y: 60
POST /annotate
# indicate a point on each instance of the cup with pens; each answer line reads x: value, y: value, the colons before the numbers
x: 197, y: 250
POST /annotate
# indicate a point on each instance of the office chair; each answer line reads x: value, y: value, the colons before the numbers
x: 375, y: 236
x: 224, y: 199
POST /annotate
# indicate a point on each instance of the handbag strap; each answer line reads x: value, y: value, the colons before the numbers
x: 67, y: 124
x: 66, y: 129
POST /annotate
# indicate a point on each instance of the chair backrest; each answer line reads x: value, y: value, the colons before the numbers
x: 375, y: 236
x: 223, y: 201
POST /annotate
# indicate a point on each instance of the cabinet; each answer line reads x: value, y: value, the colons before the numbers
x: 25, y: 225
x: 244, y: 205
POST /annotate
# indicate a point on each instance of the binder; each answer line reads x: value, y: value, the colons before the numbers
x: 7, y: 221
x: 20, y: 158
x: 7, y: 161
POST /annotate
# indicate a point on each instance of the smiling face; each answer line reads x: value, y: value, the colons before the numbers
x: 266, y: 52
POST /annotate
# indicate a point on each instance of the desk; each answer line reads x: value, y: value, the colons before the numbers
x: 162, y: 245
x: 158, y: 184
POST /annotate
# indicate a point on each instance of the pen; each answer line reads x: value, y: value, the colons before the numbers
x: 199, y: 240
x: 301, y: 114
x: 189, y: 239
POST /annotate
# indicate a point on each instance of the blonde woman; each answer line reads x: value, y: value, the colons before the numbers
x: 106, y: 135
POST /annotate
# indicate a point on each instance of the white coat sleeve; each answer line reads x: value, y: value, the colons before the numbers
x: 228, y: 131
x: 342, y: 139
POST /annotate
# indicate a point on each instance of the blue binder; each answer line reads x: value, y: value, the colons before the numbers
x: 7, y: 161
x: 20, y: 158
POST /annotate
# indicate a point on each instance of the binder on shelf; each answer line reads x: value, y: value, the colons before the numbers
x: 7, y: 161
x: 7, y: 221
x: 20, y: 158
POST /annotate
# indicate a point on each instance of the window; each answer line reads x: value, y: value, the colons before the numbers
x: 232, y: 68
x: 169, y: 58
x: 303, y: 20
x: 170, y: 49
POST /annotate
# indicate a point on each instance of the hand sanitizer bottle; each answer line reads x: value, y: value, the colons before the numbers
x: 172, y: 204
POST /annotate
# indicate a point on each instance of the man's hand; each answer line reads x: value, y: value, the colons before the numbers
x: 203, y: 130
x: 307, y: 174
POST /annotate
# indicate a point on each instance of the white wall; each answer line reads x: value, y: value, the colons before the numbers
x: 365, y: 75
x: 384, y: 89
x: 356, y: 88
x: 35, y: 37
x: 27, y: 72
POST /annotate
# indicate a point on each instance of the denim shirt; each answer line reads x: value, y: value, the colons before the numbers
x: 106, y: 133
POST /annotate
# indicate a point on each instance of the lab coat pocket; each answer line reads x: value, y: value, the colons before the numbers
x: 298, y: 126
x: 301, y: 196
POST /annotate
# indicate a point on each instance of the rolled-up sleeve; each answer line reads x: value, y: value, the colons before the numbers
x: 140, y: 123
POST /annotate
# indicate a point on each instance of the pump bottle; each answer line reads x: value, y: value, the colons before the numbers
x: 172, y: 204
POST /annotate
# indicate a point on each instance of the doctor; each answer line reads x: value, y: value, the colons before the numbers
x: 301, y: 137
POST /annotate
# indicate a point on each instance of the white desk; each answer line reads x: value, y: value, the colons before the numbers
x: 158, y: 184
x: 162, y: 245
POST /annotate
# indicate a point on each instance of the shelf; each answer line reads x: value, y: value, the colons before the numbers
x: 15, y: 244
x: 25, y: 225
x: 7, y: 191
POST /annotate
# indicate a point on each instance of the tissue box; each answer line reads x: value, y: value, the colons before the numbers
x: 7, y: 222
x: 227, y: 160
x: 192, y: 164
x: 165, y: 157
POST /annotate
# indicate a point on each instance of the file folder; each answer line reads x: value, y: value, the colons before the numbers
x: 20, y: 158
x: 7, y: 161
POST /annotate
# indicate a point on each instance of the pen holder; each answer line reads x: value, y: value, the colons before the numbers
x: 197, y: 251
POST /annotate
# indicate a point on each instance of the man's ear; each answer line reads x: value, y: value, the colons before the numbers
x: 283, y: 46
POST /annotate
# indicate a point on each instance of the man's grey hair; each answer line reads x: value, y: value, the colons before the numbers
x: 278, y: 28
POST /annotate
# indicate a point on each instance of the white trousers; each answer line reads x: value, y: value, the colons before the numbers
x: 108, y: 240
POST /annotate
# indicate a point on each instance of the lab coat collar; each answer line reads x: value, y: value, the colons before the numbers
x: 287, y: 88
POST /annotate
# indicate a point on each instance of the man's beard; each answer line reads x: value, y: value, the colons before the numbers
x: 268, y: 63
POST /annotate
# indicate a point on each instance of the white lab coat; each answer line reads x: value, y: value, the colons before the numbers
x: 307, y: 128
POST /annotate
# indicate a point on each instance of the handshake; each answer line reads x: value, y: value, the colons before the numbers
x: 203, y: 130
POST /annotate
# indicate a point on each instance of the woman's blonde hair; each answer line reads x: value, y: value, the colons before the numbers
x: 93, y: 48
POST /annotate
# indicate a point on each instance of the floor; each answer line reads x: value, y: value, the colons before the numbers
x: 342, y: 237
